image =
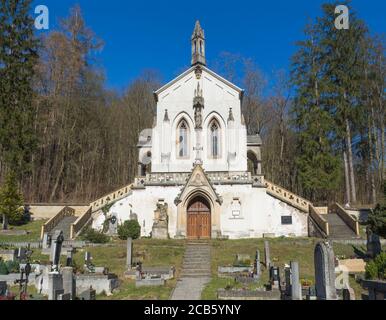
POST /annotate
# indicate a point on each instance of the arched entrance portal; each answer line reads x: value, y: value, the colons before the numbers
x: 198, y: 219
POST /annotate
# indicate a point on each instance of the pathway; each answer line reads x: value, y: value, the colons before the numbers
x: 196, y: 272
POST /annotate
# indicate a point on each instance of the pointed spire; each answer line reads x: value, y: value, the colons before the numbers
x: 198, y: 45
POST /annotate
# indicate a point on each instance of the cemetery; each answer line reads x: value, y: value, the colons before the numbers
x: 244, y: 269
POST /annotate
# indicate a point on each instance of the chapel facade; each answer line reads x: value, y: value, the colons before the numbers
x: 199, y: 173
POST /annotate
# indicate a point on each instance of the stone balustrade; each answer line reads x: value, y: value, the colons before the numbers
x: 319, y: 220
x: 347, y: 218
x: 113, y: 196
x: 287, y: 196
x: 79, y: 224
x: 51, y: 223
x: 174, y: 178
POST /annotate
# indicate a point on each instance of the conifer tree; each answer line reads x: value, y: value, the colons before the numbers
x: 18, y: 48
x: 318, y: 165
x: 11, y: 201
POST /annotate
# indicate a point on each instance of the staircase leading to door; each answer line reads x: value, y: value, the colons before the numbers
x: 65, y: 225
x: 196, y: 271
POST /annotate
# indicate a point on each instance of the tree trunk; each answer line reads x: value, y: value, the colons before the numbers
x: 5, y: 222
x: 373, y: 191
x: 346, y: 176
x: 350, y: 162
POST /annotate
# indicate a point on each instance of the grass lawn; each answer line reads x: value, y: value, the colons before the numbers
x: 33, y: 228
x: 282, y: 250
x: 170, y: 253
x: 155, y: 252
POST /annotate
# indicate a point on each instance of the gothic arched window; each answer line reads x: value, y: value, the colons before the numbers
x: 183, y: 139
x: 214, y: 132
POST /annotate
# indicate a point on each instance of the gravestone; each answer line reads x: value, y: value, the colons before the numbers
x: 274, y: 276
x: 373, y: 243
x: 21, y: 254
x: 46, y: 241
x: 3, y: 288
x: 64, y: 296
x: 69, y: 258
x: 257, y: 263
x: 287, y: 276
x: 296, y: 288
x: 55, y: 285
x: 89, y: 294
x: 129, y: 253
x: 87, y: 258
x: 324, y: 271
x: 243, y: 258
x: 113, y: 225
x: 56, y: 248
x: 138, y: 271
x: 69, y: 285
x: 267, y: 256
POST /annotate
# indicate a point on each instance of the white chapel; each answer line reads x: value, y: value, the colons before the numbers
x: 199, y: 173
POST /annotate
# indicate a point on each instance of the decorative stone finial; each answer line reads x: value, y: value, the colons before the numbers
x: 198, y: 45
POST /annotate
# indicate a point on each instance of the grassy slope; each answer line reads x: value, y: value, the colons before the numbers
x: 33, y: 228
x: 282, y: 252
x: 156, y: 253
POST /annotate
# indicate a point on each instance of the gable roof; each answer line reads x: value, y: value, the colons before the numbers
x: 212, y: 73
x: 196, y: 179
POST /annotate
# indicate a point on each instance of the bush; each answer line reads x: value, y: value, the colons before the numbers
x: 129, y: 229
x: 9, y: 267
x: 12, y: 266
x: 3, y: 267
x: 376, y: 269
x: 95, y: 236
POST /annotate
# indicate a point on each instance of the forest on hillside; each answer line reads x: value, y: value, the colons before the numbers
x: 66, y: 137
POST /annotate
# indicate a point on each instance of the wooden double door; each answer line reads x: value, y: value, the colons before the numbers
x: 198, y: 219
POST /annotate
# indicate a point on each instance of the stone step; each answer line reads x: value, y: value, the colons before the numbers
x: 195, y: 270
x: 195, y: 275
x: 193, y: 256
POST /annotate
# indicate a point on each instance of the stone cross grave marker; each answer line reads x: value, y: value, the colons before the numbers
x: 56, y: 248
x: 324, y: 271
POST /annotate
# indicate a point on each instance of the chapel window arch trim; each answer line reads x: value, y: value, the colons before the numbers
x: 183, y: 139
x: 214, y: 139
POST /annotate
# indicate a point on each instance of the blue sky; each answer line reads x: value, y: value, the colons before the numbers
x: 147, y: 34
